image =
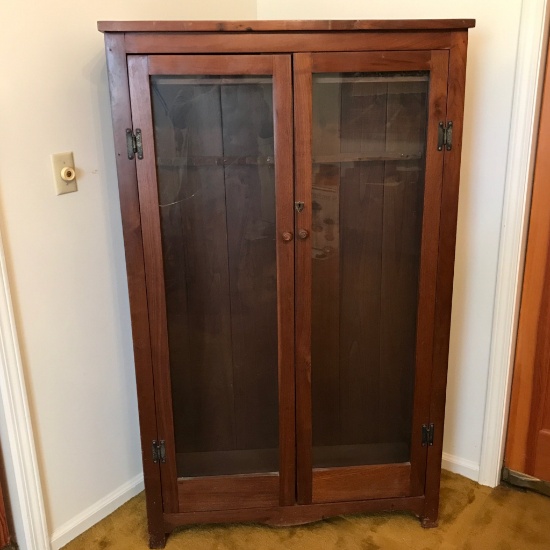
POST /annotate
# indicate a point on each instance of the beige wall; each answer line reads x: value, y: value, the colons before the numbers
x: 65, y: 254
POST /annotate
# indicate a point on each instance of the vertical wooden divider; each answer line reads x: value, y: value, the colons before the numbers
x: 284, y: 191
x: 302, y: 136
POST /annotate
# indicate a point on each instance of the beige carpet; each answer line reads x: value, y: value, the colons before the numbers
x: 471, y: 518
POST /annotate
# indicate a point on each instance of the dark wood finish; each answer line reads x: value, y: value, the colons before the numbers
x: 352, y: 391
x: 445, y: 272
x: 240, y: 427
x: 235, y: 462
x: 4, y: 527
x: 295, y: 515
x: 329, y: 25
x: 303, y: 193
x: 210, y: 64
x: 325, y: 288
x: 361, y: 483
x: 365, y: 454
x: 376, y: 61
x: 427, y: 291
x: 141, y: 43
x: 401, y: 240
x: 135, y: 268
x: 142, y: 117
x: 251, y: 245
x: 284, y: 170
x: 437, y: 46
x: 361, y: 198
x: 203, y: 494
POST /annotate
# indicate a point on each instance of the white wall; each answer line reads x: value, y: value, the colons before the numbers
x: 65, y: 254
x: 489, y: 86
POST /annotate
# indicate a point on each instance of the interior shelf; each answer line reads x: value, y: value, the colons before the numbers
x: 180, y: 162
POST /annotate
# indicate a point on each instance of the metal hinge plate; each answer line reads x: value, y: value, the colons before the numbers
x: 445, y: 136
x: 134, y: 144
x: 159, y: 451
x: 427, y: 435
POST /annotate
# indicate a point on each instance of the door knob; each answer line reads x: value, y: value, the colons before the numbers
x: 287, y: 236
x: 303, y: 233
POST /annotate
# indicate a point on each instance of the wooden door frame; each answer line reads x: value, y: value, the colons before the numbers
x: 530, y: 63
x: 325, y: 485
x: 259, y: 490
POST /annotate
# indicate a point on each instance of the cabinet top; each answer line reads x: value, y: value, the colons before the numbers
x: 288, y: 26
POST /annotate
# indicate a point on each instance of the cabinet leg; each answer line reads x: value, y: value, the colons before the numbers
x: 157, y: 540
x: 428, y: 522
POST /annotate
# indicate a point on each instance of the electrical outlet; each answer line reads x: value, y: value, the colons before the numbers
x: 64, y: 173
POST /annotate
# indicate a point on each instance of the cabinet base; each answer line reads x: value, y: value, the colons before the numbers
x: 298, y: 514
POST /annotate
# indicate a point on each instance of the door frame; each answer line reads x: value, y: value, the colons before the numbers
x: 325, y: 485
x: 530, y: 63
x: 19, y: 448
x: 258, y: 490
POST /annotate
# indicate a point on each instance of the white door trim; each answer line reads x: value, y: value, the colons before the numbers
x: 20, y: 445
x: 515, y: 215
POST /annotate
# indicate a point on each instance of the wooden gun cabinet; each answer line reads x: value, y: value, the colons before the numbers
x: 289, y: 198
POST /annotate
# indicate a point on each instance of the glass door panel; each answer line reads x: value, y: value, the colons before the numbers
x: 214, y: 142
x: 369, y: 156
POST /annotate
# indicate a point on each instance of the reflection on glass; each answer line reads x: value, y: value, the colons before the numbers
x: 369, y: 133
x: 215, y: 168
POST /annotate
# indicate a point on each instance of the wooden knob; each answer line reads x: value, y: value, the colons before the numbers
x: 287, y: 236
x: 303, y: 234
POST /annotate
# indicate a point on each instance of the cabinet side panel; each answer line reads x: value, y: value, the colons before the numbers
x: 131, y: 227
x: 428, y: 265
x: 445, y: 269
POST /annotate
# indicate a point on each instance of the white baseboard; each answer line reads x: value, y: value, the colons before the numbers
x: 458, y: 465
x: 96, y: 512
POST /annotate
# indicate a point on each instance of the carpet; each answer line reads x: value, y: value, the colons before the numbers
x: 472, y: 517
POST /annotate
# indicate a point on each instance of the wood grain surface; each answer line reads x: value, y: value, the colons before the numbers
x: 445, y: 271
x: 148, y: 43
x: 135, y: 268
x: 4, y: 528
x: 221, y: 271
x: 262, y: 26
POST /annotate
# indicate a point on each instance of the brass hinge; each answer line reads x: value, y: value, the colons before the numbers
x: 134, y: 144
x: 159, y: 451
x: 445, y: 136
x: 427, y: 435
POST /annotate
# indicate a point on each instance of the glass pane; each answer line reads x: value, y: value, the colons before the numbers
x: 369, y: 133
x: 216, y: 185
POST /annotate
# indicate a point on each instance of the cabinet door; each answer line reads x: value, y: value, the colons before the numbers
x: 369, y: 173
x: 215, y: 191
